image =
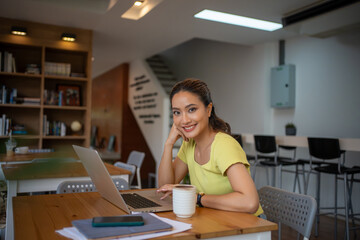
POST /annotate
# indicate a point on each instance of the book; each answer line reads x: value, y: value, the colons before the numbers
x: 152, y: 224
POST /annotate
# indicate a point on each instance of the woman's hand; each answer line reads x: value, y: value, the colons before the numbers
x: 166, y: 189
x: 174, y: 135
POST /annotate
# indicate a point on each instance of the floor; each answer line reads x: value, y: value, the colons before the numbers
x: 326, y: 231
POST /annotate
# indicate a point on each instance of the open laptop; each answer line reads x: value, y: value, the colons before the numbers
x: 107, y: 189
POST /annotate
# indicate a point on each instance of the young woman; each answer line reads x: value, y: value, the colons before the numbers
x: 215, y: 161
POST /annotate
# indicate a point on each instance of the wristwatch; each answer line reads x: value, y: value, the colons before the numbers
x: 199, y: 196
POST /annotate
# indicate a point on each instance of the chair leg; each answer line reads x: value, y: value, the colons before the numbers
x: 346, y: 199
x: 335, y: 208
x: 267, y: 176
x: 317, y: 220
x: 280, y: 176
x: 279, y: 230
x: 349, y: 189
x: 296, y: 178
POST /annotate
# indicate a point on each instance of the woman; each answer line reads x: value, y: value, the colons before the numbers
x: 215, y: 161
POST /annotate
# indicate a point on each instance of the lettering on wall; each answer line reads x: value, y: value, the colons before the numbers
x: 144, y: 101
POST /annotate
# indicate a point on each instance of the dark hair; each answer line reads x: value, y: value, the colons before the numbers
x: 200, y: 89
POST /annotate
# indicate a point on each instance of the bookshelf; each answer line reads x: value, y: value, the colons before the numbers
x: 46, y: 87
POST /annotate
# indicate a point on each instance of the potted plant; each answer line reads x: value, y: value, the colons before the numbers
x: 290, y: 129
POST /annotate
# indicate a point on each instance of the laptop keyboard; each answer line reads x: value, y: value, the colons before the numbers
x: 136, y: 201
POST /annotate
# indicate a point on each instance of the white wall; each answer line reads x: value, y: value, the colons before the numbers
x: 327, y: 90
x: 155, y: 133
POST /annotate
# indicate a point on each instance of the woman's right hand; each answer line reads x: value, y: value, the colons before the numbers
x: 174, y: 135
x: 166, y: 190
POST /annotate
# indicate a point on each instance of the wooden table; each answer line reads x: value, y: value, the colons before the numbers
x: 30, y: 156
x: 347, y: 144
x: 37, y: 217
x: 44, y: 176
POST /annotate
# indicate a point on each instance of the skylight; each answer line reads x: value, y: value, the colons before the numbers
x: 237, y: 20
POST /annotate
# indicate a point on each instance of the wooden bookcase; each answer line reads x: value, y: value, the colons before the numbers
x: 40, y: 46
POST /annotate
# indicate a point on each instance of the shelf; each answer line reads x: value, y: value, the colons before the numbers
x: 32, y: 53
x: 64, y: 137
x: 82, y: 108
x: 65, y: 78
x: 29, y: 75
x: 20, y: 105
x: 22, y: 136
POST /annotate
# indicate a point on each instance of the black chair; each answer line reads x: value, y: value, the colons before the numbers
x: 328, y: 149
x: 295, y: 162
x: 238, y: 138
x: 267, y: 156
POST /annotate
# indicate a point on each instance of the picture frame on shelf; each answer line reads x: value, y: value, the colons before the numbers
x: 70, y: 94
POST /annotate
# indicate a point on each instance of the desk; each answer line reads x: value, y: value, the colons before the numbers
x: 37, y: 217
x: 347, y: 144
x: 30, y: 156
x: 44, y: 176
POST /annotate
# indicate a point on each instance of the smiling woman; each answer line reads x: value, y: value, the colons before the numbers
x: 214, y: 160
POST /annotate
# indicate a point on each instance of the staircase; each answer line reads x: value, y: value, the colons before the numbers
x: 167, y: 81
x: 164, y: 75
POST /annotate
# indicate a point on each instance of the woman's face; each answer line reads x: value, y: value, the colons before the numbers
x: 190, y: 115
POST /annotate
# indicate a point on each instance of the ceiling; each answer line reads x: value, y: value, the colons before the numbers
x: 117, y: 40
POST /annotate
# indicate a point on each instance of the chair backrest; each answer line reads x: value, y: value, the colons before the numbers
x: 87, y: 186
x: 292, y: 209
x: 324, y: 148
x: 238, y: 138
x: 136, y: 158
x: 265, y: 144
x: 128, y: 167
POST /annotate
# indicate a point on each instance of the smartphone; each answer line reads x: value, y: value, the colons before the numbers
x: 113, y: 221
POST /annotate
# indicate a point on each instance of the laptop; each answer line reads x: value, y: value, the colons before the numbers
x: 142, y: 200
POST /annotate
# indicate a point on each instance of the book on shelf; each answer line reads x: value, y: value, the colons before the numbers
x: 59, y: 69
x: 5, y: 125
x: 32, y: 68
x: 19, y: 129
x: 27, y: 100
x: 7, y: 62
x: 53, y: 128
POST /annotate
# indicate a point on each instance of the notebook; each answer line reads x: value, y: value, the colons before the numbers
x: 152, y: 225
x: 101, y: 178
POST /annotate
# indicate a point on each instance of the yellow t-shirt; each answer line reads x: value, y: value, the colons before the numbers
x: 211, y: 178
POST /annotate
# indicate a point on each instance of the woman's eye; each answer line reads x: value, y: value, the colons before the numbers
x: 176, y: 113
x: 192, y: 109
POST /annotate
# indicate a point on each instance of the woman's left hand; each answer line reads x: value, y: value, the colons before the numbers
x: 166, y: 189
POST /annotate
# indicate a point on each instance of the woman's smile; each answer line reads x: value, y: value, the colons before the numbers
x: 189, y: 128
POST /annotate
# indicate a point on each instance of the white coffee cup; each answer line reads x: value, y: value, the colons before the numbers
x: 21, y: 150
x: 184, y: 200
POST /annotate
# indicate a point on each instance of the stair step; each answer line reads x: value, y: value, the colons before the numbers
x: 168, y: 82
x: 163, y: 71
x: 164, y: 76
x: 156, y: 64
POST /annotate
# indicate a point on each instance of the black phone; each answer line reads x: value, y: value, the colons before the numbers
x: 127, y: 220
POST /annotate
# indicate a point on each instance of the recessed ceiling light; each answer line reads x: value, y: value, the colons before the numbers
x: 237, y: 20
x: 68, y: 37
x: 18, y: 31
x: 138, y: 3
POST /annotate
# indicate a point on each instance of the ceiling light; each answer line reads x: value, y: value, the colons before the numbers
x: 237, y: 20
x: 69, y: 37
x: 18, y: 31
x: 138, y: 3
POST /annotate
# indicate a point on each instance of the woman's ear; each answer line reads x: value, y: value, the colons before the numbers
x: 209, y: 109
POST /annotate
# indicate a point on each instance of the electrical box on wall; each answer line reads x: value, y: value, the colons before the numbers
x: 283, y: 86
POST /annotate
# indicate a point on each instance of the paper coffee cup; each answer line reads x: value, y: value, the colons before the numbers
x: 184, y: 200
